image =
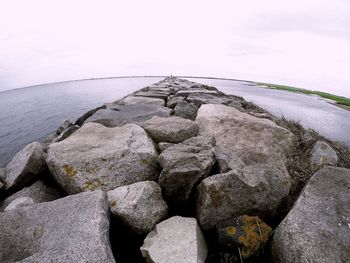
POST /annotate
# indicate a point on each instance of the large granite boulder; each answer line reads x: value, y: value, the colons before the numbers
x: 39, y: 192
x: 131, y: 100
x: 177, y: 239
x: 227, y: 160
x: 71, y: 229
x: 120, y: 115
x: 139, y: 206
x: 186, y: 110
x: 171, y: 129
x: 258, y: 190
x: 97, y: 157
x: 184, y: 165
x: 253, y: 140
x: 25, y: 166
x: 317, y: 229
x: 322, y: 154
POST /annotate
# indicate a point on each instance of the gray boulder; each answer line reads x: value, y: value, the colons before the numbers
x: 177, y: 239
x: 131, y: 100
x: 66, y: 133
x: 97, y: 157
x: 64, y: 126
x: 159, y: 94
x: 170, y: 129
x: 164, y: 145
x: 19, y: 202
x: 208, y: 98
x: 317, y: 229
x: 71, y: 229
x: 139, y: 206
x: 173, y: 101
x: 121, y: 115
x: 253, y: 140
x: 322, y: 154
x: 227, y: 160
x: 257, y: 190
x: 25, y: 166
x: 186, y: 110
x: 185, y: 165
x: 39, y: 192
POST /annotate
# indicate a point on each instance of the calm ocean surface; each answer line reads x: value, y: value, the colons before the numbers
x: 32, y: 113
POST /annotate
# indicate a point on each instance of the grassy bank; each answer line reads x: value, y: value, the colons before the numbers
x: 338, y: 99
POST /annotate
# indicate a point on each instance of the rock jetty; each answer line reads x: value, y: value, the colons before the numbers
x: 177, y: 172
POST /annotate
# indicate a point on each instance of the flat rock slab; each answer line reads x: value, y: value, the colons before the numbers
x: 25, y: 165
x: 184, y: 165
x: 171, y: 129
x: 257, y: 190
x: 317, y: 229
x: 121, y: 115
x: 97, y: 157
x: 177, y: 239
x: 71, y: 229
x: 39, y: 192
x: 253, y: 140
x: 131, y: 100
x: 139, y: 206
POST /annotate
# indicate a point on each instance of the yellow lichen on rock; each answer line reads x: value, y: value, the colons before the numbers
x: 69, y: 170
x: 91, y: 185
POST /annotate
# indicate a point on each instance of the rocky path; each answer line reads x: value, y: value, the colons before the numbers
x: 177, y: 172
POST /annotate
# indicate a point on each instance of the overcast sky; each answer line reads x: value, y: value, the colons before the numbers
x: 305, y: 43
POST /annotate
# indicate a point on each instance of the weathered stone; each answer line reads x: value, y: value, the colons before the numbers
x: 249, y: 234
x: 177, y: 239
x: 164, y: 145
x: 317, y: 229
x: 153, y: 94
x: 121, y: 115
x: 71, y: 229
x: 258, y: 189
x: 64, y: 126
x: 97, y: 157
x: 195, y: 91
x: 39, y: 192
x: 171, y: 129
x: 322, y: 154
x: 173, y: 101
x: 2, y: 178
x: 208, y: 98
x: 253, y: 140
x: 131, y: 100
x: 227, y: 160
x: 25, y: 165
x: 80, y: 121
x: 66, y: 133
x: 19, y: 202
x: 139, y: 206
x: 186, y: 110
x: 184, y: 165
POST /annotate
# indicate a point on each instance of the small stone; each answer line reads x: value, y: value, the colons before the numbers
x: 177, y: 239
x: 186, y: 110
x: 19, y: 202
x: 247, y: 233
x: 322, y: 154
x: 25, y: 165
x: 170, y: 129
x: 139, y: 206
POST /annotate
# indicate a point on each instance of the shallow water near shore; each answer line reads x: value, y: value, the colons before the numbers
x: 32, y: 113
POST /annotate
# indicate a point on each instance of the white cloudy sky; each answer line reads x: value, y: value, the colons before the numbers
x: 305, y: 43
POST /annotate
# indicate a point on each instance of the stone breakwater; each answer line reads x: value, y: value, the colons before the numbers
x: 175, y: 172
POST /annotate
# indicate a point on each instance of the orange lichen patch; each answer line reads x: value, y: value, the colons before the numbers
x: 91, y: 185
x: 256, y: 234
x: 69, y: 170
x: 144, y: 162
x: 231, y: 230
x: 114, y: 204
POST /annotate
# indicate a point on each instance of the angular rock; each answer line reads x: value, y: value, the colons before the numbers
x: 247, y: 233
x: 97, y: 157
x: 208, y: 98
x: 227, y: 160
x: 19, y: 202
x: 195, y: 91
x: 253, y: 140
x: 64, y: 126
x: 258, y: 190
x: 80, y: 121
x: 25, y: 166
x: 66, y: 133
x: 164, y: 145
x: 173, y: 101
x: 160, y: 94
x: 317, y: 229
x: 131, y: 100
x: 322, y: 154
x: 184, y: 165
x: 39, y: 192
x: 70, y: 229
x: 139, y: 206
x: 2, y: 177
x: 121, y: 115
x: 186, y: 110
x: 177, y: 239
x: 170, y: 129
